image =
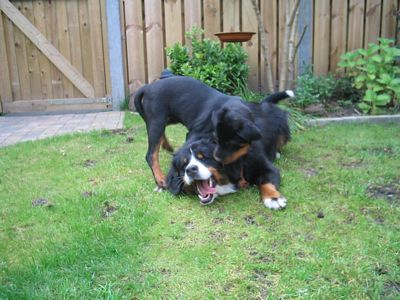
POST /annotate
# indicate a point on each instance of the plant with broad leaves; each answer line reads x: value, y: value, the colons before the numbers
x: 375, y: 72
x: 224, y: 69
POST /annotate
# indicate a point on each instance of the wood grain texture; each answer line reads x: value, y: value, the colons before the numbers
x: 321, y: 35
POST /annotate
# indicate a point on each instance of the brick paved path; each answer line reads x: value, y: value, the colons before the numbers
x: 14, y: 129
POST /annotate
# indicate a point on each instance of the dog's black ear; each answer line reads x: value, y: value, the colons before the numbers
x: 174, y: 180
x: 249, y: 132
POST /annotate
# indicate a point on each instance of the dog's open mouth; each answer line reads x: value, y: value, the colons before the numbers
x: 206, y: 190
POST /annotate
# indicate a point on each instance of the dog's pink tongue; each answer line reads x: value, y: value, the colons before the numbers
x: 205, y: 188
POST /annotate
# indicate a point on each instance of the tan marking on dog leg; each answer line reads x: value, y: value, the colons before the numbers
x: 236, y: 155
x: 155, y: 167
x: 165, y: 144
x: 268, y: 190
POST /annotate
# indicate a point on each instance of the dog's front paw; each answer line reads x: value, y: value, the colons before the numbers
x: 275, y: 203
x: 158, y: 189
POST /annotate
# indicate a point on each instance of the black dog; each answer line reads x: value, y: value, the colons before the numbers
x: 249, y: 137
x: 183, y: 100
x: 242, y: 156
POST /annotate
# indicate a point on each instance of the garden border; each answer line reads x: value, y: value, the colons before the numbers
x: 354, y: 119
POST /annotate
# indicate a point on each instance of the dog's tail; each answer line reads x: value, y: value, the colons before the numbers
x: 138, y: 100
x: 276, y: 97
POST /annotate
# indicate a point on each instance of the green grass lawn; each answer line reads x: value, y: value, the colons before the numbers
x: 104, y: 233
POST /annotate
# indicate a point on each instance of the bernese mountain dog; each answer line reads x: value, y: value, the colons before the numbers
x: 239, y: 153
x: 179, y: 99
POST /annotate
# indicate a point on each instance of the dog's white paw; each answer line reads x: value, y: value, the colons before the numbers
x: 275, y: 203
x: 158, y: 189
x: 277, y: 156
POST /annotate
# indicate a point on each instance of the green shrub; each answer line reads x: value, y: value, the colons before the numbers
x: 375, y: 74
x: 224, y: 69
x: 311, y: 89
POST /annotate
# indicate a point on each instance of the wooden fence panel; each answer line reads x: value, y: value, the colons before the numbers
x: 388, y: 24
x: 338, y: 32
x: 269, y: 11
x: 212, y: 18
x: 5, y: 80
x: 135, y: 44
x: 356, y: 27
x: 54, y: 50
x: 321, y: 35
x: 231, y: 15
x: 154, y: 39
x: 250, y: 24
x: 173, y: 27
x: 332, y: 28
x: 372, y: 20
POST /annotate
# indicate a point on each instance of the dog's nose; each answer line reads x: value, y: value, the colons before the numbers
x: 192, y: 170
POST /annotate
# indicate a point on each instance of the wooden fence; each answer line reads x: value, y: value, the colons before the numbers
x: 53, y: 55
x: 332, y: 28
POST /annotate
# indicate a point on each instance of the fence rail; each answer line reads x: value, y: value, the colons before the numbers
x: 333, y: 27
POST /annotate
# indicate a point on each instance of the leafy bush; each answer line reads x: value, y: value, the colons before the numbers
x: 375, y: 73
x: 311, y: 89
x: 224, y: 69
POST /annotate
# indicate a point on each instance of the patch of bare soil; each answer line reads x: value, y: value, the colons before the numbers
x: 389, y: 191
x: 42, y: 202
x: 109, y: 209
x: 332, y: 110
x: 89, y: 163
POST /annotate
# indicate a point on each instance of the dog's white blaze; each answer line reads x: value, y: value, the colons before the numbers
x: 226, y: 189
x: 290, y: 93
x: 203, y: 173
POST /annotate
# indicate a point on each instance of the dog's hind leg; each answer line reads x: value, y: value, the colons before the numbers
x: 156, y: 134
x: 166, y: 145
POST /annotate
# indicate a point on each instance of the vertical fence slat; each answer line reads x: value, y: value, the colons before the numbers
x: 75, y: 47
x: 51, y: 29
x: 22, y: 59
x: 97, y: 48
x: 33, y: 53
x: 356, y: 27
x: 388, y: 19
x: 305, y: 51
x: 104, y: 36
x: 281, y: 33
x: 173, y: 22
x: 12, y: 58
x: 372, y: 21
x: 40, y: 20
x: 338, y: 32
x: 154, y: 39
x: 269, y: 11
x: 212, y: 19
x: 250, y: 24
x: 135, y: 44
x: 231, y: 15
x: 85, y: 41
x: 5, y: 88
x: 321, y: 35
x: 64, y: 43
x: 192, y: 15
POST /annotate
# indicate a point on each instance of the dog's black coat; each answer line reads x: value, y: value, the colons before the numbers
x: 185, y: 100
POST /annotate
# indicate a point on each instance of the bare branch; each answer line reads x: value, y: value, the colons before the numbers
x: 264, y: 42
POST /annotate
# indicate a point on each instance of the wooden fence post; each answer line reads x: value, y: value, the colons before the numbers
x: 305, y: 49
x: 115, y: 53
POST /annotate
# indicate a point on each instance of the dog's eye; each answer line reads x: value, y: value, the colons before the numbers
x: 185, y: 160
x: 200, y: 155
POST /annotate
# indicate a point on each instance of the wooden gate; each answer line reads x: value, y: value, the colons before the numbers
x: 53, y: 55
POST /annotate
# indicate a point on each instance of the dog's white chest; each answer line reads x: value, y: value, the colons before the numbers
x: 226, y: 189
